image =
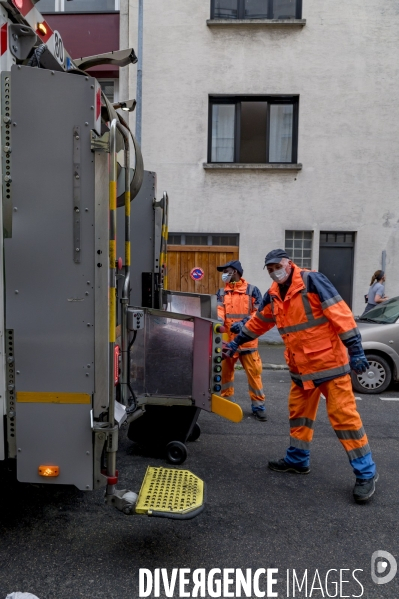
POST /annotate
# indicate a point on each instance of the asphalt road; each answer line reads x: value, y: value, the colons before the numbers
x: 61, y: 543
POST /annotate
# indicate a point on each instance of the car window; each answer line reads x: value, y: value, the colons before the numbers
x: 385, y: 313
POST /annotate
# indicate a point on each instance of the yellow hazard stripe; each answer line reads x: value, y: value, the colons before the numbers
x: 112, y: 195
x: 127, y: 203
x: 38, y: 397
x: 127, y: 253
x: 112, y: 253
x: 112, y: 314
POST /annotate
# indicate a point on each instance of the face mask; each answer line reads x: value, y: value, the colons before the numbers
x: 280, y: 275
x: 226, y: 276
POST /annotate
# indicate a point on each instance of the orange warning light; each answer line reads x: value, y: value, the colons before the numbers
x: 49, y: 471
x: 41, y: 29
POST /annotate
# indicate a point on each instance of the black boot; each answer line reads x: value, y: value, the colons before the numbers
x: 364, y: 488
x: 283, y: 466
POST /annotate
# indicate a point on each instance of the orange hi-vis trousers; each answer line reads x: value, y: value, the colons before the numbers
x: 252, y: 365
x: 342, y: 413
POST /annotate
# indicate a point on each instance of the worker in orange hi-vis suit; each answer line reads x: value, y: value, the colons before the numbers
x: 237, y: 301
x: 319, y: 332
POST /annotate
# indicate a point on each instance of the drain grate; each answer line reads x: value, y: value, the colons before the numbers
x: 170, y: 493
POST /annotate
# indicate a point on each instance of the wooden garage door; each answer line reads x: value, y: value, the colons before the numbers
x: 183, y: 258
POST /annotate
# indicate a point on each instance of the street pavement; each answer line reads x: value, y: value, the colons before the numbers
x: 61, y: 543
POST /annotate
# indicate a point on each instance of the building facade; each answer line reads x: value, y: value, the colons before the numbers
x: 272, y: 123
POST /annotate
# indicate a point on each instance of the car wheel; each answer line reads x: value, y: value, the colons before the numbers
x: 377, y: 377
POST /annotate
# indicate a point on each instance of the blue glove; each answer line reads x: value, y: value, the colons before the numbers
x: 236, y: 327
x: 358, y: 363
x: 229, y: 349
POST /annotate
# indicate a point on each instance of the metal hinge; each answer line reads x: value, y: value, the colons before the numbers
x: 99, y: 144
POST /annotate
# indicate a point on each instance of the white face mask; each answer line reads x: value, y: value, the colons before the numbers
x: 280, y: 275
x: 226, y: 276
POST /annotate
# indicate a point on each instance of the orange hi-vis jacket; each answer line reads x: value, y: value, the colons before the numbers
x: 238, y: 301
x: 314, y: 322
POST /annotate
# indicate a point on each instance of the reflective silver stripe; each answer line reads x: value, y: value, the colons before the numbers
x: 304, y: 325
x: 349, y: 334
x: 304, y: 275
x: 227, y: 386
x: 256, y: 391
x: 331, y: 301
x: 247, y: 350
x: 321, y: 374
x: 220, y: 319
x: 351, y: 434
x: 249, y: 292
x: 359, y: 452
x: 295, y: 376
x: 302, y: 422
x: 294, y: 442
x: 249, y: 333
x: 257, y: 403
x: 236, y: 315
x: 306, y: 305
x: 264, y: 318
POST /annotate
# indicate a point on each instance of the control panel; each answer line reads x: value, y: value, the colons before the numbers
x: 216, y: 370
x: 135, y: 319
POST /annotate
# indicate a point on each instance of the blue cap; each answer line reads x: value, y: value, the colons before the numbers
x: 236, y: 264
x: 275, y: 256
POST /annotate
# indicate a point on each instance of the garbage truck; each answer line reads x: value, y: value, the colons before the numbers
x: 90, y: 336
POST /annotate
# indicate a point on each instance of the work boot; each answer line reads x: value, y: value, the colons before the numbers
x: 283, y: 466
x: 260, y: 415
x: 364, y: 488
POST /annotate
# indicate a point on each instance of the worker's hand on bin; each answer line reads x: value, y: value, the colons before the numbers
x: 229, y: 349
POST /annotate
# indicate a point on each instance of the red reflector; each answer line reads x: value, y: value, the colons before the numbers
x: 116, y: 365
x: 98, y: 103
x: 3, y: 39
x: 19, y: 3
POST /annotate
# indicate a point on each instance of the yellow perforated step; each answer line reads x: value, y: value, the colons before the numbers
x: 170, y: 493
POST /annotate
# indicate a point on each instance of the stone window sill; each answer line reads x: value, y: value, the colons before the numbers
x: 263, y: 22
x: 237, y: 166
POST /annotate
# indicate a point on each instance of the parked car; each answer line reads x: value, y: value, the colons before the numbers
x: 379, y: 328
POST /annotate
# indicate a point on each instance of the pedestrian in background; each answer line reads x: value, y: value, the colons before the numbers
x: 376, y: 294
x: 237, y: 301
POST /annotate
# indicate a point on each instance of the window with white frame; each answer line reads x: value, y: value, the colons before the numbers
x: 298, y: 245
x: 71, y: 6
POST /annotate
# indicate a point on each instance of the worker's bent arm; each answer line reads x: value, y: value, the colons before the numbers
x: 256, y: 298
x: 259, y: 323
x: 220, y: 306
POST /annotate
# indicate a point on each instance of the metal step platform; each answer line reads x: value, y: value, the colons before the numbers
x: 171, y: 493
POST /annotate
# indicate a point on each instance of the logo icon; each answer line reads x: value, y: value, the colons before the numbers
x: 383, y: 562
x: 197, y: 273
